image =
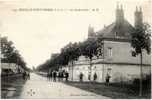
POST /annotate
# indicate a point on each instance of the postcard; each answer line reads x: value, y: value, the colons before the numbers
x: 75, y: 49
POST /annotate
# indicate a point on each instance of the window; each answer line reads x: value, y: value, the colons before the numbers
x: 110, y: 52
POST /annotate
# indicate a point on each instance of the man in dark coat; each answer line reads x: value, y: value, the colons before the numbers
x: 54, y: 76
x: 107, y: 78
x: 66, y: 76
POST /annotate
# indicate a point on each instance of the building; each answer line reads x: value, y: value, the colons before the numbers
x: 117, y: 59
x: 11, y: 68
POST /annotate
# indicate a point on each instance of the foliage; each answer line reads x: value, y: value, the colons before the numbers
x: 71, y: 52
x: 89, y: 48
x: 68, y: 53
x: 10, y: 54
x: 141, y: 39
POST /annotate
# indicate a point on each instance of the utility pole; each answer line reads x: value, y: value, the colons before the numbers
x: 103, y: 62
x: 141, y: 75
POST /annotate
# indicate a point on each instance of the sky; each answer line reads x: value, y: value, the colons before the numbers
x: 38, y: 34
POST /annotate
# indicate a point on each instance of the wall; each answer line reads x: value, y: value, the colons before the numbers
x: 121, y: 53
x: 125, y: 73
x: 118, y: 72
x: 122, y: 65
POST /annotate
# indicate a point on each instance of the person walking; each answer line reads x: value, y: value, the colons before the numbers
x: 48, y: 76
x: 51, y: 75
x: 29, y: 75
x: 62, y: 75
x: 54, y: 76
x: 24, y: 75
x: 107, y: 78
x: 95, y: 77
x: 66, y: 76
x: 59, y: 76
x: 89, y: 77
x: 81, y: 77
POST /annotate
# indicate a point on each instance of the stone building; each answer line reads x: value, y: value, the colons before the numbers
x: 117, y: 59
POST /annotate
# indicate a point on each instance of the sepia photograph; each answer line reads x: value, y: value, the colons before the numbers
x: 75, y: 49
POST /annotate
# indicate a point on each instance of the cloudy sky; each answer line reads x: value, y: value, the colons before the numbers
x: 38, y: 34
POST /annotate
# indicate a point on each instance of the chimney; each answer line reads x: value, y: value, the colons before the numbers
x: 119, y: 15
x: 138, y: 17
x: 90, y: 32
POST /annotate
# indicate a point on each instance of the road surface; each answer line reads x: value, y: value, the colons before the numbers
x: 40, y: 87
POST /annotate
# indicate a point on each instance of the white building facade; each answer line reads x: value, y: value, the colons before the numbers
x: 117, y: 59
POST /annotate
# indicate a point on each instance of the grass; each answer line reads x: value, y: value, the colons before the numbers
x: 113, y: 90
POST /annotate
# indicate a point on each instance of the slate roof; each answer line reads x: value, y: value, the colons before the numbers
x: 117, y: 31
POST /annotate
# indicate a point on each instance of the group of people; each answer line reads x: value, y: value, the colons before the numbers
x: 26, y: 75
x: 107, y: 78
x: 89, y: 77
x: 55, y: 75
x: 94, y: 77
x: 62, y: 75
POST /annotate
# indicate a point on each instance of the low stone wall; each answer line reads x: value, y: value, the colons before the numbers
x: 126, y: 73
x: 118, y: 72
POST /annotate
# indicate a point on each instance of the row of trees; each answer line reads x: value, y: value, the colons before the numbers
x: 72, y: 51
x: 9, y: 54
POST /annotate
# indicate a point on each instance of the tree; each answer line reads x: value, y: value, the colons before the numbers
x: 89, y: 48
x: 70, y: 53
x: 10, y: 54
x: 7, y: 49
x: 141, y: 41
x: 74, y: 53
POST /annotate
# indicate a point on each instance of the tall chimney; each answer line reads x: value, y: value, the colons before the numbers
x: 138, y: 18
x: 91, y: 32
x: 119, y: 15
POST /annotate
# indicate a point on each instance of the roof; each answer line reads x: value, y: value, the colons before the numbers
x: 117, y: 31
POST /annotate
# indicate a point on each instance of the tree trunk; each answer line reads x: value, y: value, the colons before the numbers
x: 141, y: 75
x: 90, y: 69
x: 72, y: 70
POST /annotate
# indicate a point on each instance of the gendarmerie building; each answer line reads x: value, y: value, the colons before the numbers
x: 117, y: 59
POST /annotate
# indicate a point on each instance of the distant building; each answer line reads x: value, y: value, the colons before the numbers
x: 117, y: 59
x: 11, y: 68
